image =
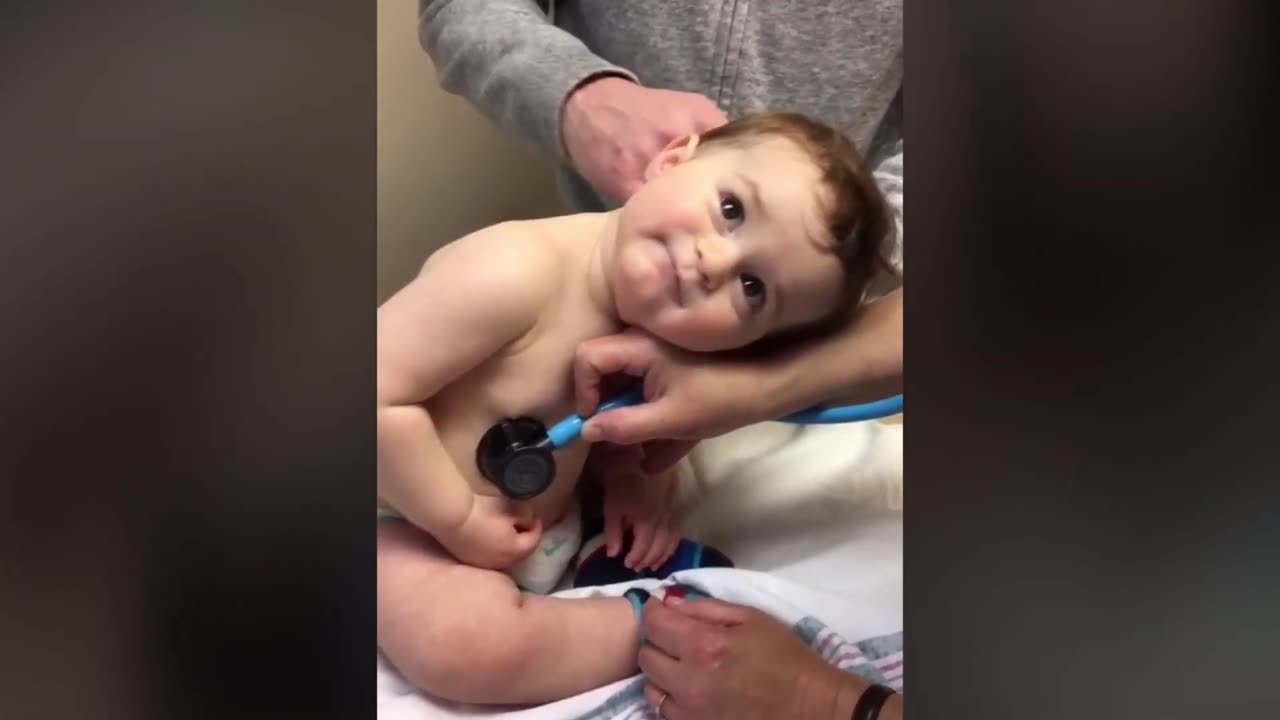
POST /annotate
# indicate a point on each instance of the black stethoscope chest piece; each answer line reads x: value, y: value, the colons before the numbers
x: 516, y: 455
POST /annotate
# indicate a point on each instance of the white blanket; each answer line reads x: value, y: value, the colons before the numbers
x: 812, y: 518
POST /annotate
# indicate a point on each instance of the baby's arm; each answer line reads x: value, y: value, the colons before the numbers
x: 471, y: 299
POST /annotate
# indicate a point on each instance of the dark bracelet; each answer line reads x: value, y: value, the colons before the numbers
x: 872, y: 699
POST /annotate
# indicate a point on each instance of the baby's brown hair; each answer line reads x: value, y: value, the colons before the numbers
x: 858, y: 216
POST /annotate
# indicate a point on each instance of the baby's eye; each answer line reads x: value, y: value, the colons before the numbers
x: 754, y: 290
x: 731, y: 210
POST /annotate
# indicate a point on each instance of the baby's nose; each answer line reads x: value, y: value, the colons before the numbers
x: 718, y: 260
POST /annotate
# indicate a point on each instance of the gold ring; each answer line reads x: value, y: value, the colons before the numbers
x: 658, y: 708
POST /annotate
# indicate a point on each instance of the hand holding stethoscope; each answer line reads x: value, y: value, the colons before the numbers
x: 518, y: 456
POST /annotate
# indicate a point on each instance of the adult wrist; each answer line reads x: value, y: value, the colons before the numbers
x: 856, y: 698
x: 829, y: 694
x: 796, y: 380
x: 860, y: 363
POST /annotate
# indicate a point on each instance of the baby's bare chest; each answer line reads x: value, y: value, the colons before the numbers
x: 534, y: 379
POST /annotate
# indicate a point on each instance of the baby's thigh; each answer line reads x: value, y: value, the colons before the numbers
x: 427, y: 600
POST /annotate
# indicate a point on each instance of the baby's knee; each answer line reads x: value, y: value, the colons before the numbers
x: 472, y: 655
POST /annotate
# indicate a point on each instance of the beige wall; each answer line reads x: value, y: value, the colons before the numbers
x: 443, y: 170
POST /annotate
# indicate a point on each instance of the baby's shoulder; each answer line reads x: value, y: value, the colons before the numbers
x: 506, y: 257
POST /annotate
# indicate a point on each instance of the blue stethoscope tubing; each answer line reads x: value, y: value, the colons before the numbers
x: 569, y: 429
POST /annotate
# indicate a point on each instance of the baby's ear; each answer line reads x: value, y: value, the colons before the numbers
x: 676, y: 152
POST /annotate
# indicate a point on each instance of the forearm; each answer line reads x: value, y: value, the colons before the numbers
x: 850, y: 690
x: 510, y: 62
x: 862, y: 362
x: 416, y: 476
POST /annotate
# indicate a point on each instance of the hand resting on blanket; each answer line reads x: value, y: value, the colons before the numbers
x: 712, y: 659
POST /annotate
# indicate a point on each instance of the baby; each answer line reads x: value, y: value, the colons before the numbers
x: 761, y: 231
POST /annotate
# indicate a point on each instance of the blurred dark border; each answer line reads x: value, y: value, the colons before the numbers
x: 187, y: 280
x: 1091, y: 359
x: 188, y: 294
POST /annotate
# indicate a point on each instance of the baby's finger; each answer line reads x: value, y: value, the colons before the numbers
x: 612, y: 533
x: 657, y: 549
x: 527, y: 540
x: 640, y: 542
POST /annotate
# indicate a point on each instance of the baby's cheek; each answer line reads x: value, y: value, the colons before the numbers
x: 678, y: 211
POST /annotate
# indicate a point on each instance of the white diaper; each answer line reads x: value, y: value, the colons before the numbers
x: 541, y: 571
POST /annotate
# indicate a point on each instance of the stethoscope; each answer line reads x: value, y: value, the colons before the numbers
x: 517, y: 455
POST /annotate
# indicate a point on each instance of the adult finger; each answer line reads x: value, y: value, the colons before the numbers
x: 662, y: 455
x: 668, y: 629
x: 709, y: 118
x: 596, y: 358
x: 633, y: 424
x: 669, y: 709
x: 661, y: 671
x: 625, y: 187
x: 710, y: 610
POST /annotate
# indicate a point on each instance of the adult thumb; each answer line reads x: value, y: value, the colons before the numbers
x: 626, y: 425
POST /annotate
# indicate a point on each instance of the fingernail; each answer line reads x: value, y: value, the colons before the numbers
x: 673, y: 597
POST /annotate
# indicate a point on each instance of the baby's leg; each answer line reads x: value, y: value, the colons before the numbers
x: 466, y: 634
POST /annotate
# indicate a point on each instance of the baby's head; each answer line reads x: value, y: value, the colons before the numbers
x: 767, y: 227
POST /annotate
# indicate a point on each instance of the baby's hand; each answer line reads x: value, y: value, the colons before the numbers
x: 643, y: 503
x: 496, y: 535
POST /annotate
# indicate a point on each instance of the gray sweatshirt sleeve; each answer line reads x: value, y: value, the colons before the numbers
x: 888, y: 175
x: 510, y: 62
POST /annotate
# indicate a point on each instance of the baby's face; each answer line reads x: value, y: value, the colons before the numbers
x: 719, y: 250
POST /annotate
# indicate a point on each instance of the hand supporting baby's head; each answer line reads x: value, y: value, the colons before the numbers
x: 766, y: 228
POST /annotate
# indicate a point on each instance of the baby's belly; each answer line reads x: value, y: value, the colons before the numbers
x: 534, y: 382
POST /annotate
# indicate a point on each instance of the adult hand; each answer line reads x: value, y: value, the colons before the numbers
x: 613, y: 127
x: 689, y: 396
x: 712, y: 659
x: 692, y: 396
